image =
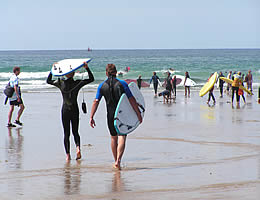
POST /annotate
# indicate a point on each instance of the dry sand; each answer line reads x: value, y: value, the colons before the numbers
x: 183, y: 150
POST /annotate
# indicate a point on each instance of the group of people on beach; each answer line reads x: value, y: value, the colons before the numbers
x: 112, y: 89
x: 170, y: 83
x: 238, y: 80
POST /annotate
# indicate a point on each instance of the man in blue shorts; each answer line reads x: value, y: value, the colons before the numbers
x: 112, y: 89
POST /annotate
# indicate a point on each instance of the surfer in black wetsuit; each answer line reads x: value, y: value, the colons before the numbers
x: 174, y: 84
x: 70, y: 111
x: 112, y: 89
x: 155, y: 79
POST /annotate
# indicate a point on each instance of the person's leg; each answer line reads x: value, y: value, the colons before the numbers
x: 20, y: 112
x: 214, y: 100
x: 233, y: 92
x: 120, y: 149
x: 155, y: 88
x: 10, y: 114
x: 175, y: 91
x: 75, y: 132
x: 238, y: 97
x: 221, y: 91
x: 188, y: 91
x: 66, y: 128
x: 209, y: 97
x: 185, y: 91
x: 114, y: 140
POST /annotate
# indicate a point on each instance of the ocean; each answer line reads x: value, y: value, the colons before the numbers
x: 36, y: 65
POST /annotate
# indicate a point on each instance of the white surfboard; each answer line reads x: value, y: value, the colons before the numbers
x: 67, y: 66
x: 125, y: 119
x: 189, y: 82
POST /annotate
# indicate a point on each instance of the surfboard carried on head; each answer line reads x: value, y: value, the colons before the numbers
x: 209, y: 85
x: 125, y: 118
x: 240, y: 87
x: 67, y: 66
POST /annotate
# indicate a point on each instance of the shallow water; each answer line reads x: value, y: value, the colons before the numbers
x: 183, y: 150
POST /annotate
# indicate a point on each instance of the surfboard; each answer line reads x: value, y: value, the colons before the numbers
x: 189, y: 82
x: 240, y: 87
x: 125, y: 118
x: 208, y: 86
x: 67, y: 66
x: 143, y: 84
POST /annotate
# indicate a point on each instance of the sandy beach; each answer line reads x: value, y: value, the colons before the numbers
x: 183, y: 150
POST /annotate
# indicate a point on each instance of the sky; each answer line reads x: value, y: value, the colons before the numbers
x: 129, y: 24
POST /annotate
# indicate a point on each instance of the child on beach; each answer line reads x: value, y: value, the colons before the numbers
x: 112, y: 89
x: 70, y: 111
x: 221, y: 84
x: 16, y: 99
x: 235, y: 86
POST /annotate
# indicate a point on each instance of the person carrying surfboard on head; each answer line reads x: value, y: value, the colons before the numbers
x: 235, y: 86
x: 112, y: 89
x: 155, y: 79
x: 70, y: 111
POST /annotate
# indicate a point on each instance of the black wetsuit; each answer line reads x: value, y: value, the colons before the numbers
x: 169, y: 83
x: 112, y: 89
x: 221, y: 84
x: 139, y: 83
x: 70, y: 110
x: 174, y: 82
x: 155, y: 80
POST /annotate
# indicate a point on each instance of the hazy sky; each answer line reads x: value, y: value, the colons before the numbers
x: 129, y: 24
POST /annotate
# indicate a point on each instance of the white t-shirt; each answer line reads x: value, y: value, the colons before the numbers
x: 14, y: 81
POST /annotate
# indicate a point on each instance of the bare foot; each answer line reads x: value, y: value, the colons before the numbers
x: 78, y: 154
x: 117, y: 166
x: 68, y: 158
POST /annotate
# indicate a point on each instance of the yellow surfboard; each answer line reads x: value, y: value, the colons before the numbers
x: 240, y: 87
x: 207, y: 87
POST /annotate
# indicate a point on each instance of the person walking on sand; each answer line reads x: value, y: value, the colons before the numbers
x: 221, y: 84
x: 112, y: 89
x: 70, y: 111
x: 187, y: 88
x: 249, y: 80
x: 16, y: 99
x: 240, y: 91
x: 235, y: 86
x: 155, y: 79
x: 139, y: 82
x: 211, y: 93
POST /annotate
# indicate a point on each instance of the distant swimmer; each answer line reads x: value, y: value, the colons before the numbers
x: 70, y: 111
x: 211, y: 93
x: 221, y: 84
x: 235, y: 86
x: 112, y: 89
x: 187, y: 88
x: 155, y: 79
x: 16, y: 98
x: 249, y: 80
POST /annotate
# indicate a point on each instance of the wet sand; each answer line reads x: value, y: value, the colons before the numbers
x: 183, y: 150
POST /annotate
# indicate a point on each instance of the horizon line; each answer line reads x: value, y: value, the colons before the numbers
x: 100, y: 49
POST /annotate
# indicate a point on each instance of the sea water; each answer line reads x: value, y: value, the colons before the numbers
x: 36, y: 65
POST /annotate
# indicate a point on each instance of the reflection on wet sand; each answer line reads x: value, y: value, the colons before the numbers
x: 117, y: 182
x: 72, y: 178
x: 14, y: 150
